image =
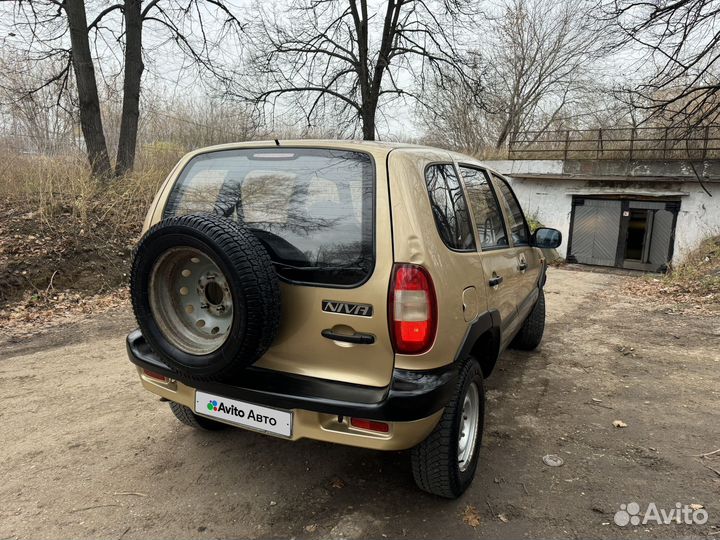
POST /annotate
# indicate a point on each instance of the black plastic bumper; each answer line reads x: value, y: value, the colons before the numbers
x: 411, y: 395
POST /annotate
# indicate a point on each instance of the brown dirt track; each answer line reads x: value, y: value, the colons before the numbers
x: 87, y: 453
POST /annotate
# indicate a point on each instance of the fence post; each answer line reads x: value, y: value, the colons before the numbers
x: 567, y: 142
x: 632, y: 142
x: 705, y: 142
x: 599, y: 144
x: 665, y: 141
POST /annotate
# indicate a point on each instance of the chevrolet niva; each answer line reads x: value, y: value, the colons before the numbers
x: 349, y: 292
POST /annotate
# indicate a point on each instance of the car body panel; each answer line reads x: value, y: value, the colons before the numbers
x: 299, y: 347
x: 417, y: 241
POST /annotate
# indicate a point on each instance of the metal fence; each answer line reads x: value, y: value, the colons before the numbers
x: 640, y: 143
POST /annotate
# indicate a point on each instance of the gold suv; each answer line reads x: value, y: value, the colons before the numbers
x: 349, y: 292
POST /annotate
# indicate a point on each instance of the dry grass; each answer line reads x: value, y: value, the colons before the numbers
x: 694, y: 284
x: 699, y: 274
x: 63, y: 231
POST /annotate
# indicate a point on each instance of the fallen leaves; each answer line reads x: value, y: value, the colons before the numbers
x: 471, y: 517
x: 78, y: 236
x: 36, y: 313
x: 337, y: 483
x: 694, y: 286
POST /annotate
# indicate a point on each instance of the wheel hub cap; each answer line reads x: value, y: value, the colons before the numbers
x: 190, y: 300
x: 469, y: 422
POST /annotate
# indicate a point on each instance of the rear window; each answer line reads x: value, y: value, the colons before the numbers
x: 311, y: 208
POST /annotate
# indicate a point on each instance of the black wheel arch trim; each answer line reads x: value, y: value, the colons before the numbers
x: 487, y: 323
x: 411, y: 395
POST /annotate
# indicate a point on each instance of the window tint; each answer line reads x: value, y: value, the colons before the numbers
x: 449, y: 207
x: 488, y: 217
x: 514, y: 213
x: 311, y: 208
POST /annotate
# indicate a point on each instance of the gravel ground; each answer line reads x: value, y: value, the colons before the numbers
x: 87, y: 453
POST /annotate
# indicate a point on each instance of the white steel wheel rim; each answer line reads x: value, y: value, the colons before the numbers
x: 469, y: 426
x: 190, y: 300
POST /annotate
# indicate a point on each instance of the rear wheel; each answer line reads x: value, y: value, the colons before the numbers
x: 444, y: 464
x: 189, y: 418
x: 531, y: 333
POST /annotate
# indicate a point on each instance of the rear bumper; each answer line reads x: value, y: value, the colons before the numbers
x: 413, y: 397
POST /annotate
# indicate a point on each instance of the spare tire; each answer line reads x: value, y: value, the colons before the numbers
x: 205, y: 295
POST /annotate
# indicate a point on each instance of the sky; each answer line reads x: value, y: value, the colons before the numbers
x: 170, y: 73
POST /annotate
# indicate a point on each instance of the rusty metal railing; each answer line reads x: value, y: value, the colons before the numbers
x: 639, y: 143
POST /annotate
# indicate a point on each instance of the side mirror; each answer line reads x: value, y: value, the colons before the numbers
x: 546, y: 238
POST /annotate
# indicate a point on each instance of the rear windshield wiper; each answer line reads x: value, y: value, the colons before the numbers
x: 285, y: 266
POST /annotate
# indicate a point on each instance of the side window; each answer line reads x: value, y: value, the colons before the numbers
x: 449, y: 207
x: 488, y: 217
x: 518, y: 227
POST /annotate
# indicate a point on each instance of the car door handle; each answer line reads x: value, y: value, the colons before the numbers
x: 495, y: 281
x: 358, y: 338
x: 522, y: 266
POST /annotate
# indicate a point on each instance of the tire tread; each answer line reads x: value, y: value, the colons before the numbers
x: 434, y: 461
x: 255, y: 275
x: 189, y: 418
x: 532, y: 330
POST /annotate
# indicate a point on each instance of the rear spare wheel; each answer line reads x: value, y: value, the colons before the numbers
x: 205, y: 295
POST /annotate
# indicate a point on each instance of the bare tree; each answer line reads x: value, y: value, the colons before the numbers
x: 183, y: 124
x: 89, y: 102
x: 536, y: 61
x: 37, y: 123
x: 682, y: 38
x: 539, y: 62
x: 60, y: 31
x: 133, y: 69
x: 454, y: 119
x: 341, y: 57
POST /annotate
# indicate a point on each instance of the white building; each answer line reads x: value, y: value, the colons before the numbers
x: 628, y: 214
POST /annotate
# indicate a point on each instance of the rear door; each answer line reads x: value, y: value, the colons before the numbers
x: 499, y: 261
x: 324, y: 218
x: 528, y: 265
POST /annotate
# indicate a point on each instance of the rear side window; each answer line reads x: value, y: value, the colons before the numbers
x: 485, y: 207
x: 449, y: 207
x: 311, y: 208
x: 516, y: 219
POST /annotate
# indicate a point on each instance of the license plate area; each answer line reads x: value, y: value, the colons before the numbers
x: 242, y: 413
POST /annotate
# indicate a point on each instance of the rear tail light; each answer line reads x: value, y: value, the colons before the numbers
x: 412, y: 309
x: 372, y: 425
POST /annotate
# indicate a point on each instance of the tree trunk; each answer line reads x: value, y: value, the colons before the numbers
x: 368, y: 124
x: 131, y: 87
x: 504, y: 132
x: 90, y: 119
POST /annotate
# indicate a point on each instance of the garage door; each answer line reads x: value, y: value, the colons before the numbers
x: 595, y: 231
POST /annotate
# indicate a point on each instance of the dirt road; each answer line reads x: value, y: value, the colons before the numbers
x: 86, y: 453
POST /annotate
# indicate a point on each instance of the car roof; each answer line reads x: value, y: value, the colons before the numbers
x: 351, y: 144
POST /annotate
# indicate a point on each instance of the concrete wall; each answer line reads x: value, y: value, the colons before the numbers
x: 550, y: 201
